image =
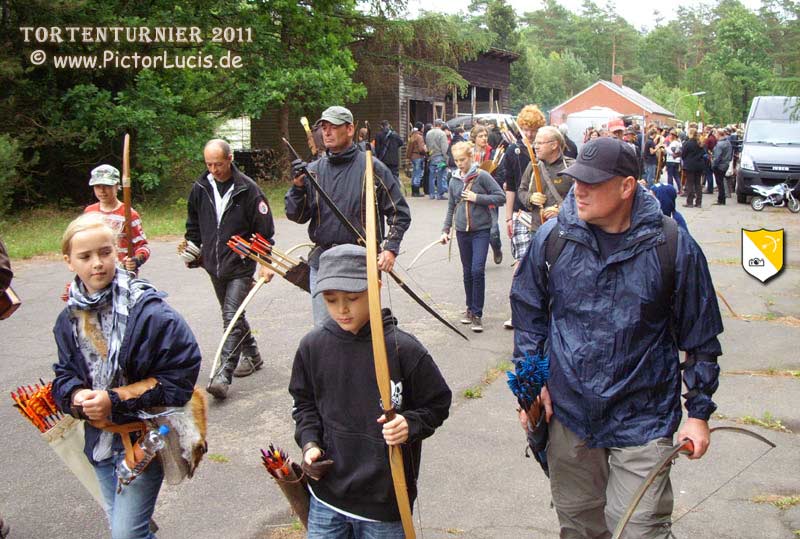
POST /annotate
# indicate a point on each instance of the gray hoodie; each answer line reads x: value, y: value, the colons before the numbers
x: 472, y: 216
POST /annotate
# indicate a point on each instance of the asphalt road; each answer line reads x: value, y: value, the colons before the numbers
x: 475, y: 481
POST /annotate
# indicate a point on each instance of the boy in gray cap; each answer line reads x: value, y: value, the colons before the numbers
x: 105, y: 181
x: 337, y: 408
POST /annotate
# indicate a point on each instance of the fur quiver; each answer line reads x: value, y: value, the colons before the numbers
x: 186, y: 441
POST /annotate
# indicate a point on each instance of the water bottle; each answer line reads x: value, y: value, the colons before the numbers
x: 153, y: 441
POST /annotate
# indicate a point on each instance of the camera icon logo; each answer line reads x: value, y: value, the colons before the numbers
x: 755, y: 262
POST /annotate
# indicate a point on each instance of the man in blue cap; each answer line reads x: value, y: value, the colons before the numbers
x: 598, y: 295
x: 340, y: 173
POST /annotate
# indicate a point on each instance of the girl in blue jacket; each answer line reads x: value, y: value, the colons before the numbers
x: 121, y: 349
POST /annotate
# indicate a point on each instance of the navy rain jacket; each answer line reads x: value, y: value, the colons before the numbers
x: 157, y: 343
x: 614, y: 369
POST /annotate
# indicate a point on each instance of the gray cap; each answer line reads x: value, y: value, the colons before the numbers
x: 343, y: 267
x: 335, y: 115
x: 104, y: 175
x: 602, y: 159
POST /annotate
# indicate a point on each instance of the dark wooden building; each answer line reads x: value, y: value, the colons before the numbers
x: 402, y: 100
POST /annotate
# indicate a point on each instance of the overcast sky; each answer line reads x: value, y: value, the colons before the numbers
x: 638, y: 12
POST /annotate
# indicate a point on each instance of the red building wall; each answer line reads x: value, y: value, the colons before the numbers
x: 602, y: 96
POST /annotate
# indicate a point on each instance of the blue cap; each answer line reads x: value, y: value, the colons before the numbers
x: 163, y: 430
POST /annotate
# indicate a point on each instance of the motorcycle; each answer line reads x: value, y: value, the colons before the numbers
x: 778, y: 196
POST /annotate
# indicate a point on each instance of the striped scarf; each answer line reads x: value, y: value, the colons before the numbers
x: 106, y: 311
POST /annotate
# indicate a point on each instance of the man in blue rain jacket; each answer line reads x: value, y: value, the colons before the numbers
x: 612, y: 329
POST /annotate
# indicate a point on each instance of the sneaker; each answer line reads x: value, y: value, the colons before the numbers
x: 498, y: 257
x: 508, y: 325
x: 476, y: 326
x: 247, y: 366
x: 466, y: 317
x: 219, y: 387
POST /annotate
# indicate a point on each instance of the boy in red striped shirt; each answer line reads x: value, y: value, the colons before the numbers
x: 105, y: 180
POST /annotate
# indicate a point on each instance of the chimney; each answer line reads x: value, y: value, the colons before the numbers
x: 617, y: 79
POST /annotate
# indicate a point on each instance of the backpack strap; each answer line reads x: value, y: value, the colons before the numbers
x: 553, y: 246
x: 667, y: 251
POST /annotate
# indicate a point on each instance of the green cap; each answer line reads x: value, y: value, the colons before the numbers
x: 336, y: 115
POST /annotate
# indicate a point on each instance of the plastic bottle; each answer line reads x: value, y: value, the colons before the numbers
x: 153, y: 441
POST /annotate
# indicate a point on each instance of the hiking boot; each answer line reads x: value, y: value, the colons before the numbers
x: 508, y: 325
x: 476, y: 326
x: 498, y: 256
x: 248, y: 365
x: 466, y: 317
x: 219, y: 387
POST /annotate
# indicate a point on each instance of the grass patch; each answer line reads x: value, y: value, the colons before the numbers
x: 499, y: 369
x: 491, y: 374
x: 781, y: 502
x: 473, y: 392
x: 216, y: 457
x: 767, y: 421
x: 38, y: 231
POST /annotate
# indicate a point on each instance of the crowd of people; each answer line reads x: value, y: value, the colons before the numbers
x: 695, y: 161
x: 585, y: 230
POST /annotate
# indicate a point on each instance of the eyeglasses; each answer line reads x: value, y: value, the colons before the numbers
x: 543, y: 142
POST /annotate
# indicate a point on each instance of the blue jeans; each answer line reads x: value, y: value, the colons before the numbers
x: 673, y: 175
x: 325, y: 523
x: 416, y: 175
x: 709, y: 172
x: 437, y: 173
x: 473, y: 248
x: 318, y: 309
x: 129, y: 512
x: 650, y: 173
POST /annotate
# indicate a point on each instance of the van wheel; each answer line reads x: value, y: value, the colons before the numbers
x: 757, y: 203
x: 741, y: 199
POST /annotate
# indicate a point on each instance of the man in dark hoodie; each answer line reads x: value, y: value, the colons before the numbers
x: 340, y: 173
x: 338, y: 413
x: 387, y: 146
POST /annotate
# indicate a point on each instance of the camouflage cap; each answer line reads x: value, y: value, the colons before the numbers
x: 104, y: 175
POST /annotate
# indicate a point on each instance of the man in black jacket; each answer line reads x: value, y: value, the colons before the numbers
x: 387, y: 146
x: 340, y: 173
x: 224, y: 202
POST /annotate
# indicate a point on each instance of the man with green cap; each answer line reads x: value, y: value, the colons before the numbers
x: 340, y: 173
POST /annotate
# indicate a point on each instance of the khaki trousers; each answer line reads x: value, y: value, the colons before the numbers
x: 592, y: 487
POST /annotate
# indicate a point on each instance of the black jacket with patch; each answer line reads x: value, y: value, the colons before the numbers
x: 246, y: 213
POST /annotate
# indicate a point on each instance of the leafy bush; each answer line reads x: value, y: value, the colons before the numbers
x: 11, y: 157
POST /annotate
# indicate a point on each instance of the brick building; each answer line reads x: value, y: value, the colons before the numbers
x: 614, y: 95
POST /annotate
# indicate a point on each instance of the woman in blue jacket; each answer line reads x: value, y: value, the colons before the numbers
x: 121, y: 349
x: 470, y: 194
